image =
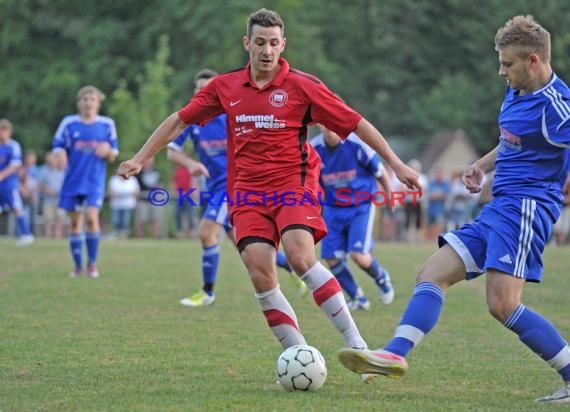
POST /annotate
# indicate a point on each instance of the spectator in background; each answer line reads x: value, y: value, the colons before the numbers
x: 413, y: 205
x: 182, y: 180
x: 459, y: 203
x: 123, y: 197
x: 438, y: 191
x: 49, y: 187
x: 562, y: 226
x: 32, y: 199
x: 146, y: 213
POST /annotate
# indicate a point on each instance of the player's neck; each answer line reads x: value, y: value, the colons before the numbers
x: 88, y: 118
x: 262, y: 79
x: 541, y: 80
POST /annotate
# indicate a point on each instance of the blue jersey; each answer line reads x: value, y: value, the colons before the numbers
x: 351, y: 165
x: 86, y: 172
x: 210, y: 143
x: 10, y: 155
x: 532, y: 160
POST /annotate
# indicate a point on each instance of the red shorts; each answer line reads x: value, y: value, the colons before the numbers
x: 262, y: 216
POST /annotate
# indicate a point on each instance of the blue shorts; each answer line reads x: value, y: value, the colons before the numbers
x: 349, y: 230
x: 10, y: 200
x: 219, y: 214
x: 509, y: 235
x: 78, y: 202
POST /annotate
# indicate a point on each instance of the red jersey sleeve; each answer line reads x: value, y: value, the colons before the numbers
x: 330, y: 111
x: 204, y: 105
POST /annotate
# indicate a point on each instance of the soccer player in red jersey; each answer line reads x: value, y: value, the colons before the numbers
x: 269, y: 107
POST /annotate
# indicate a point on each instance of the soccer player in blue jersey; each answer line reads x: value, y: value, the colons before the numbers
x: 352, y: 167
x: 10, y: 164
x: 210, y: 144
x: 85, y: 142
x: 507, y: 238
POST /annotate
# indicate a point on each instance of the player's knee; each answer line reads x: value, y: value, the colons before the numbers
x: 301, y: 262
x: 361, y: 259
x: 500, y: 310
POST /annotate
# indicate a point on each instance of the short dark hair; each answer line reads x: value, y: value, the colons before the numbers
x: 204, y: 74
x: 526, y: 34
x: 264, y: 18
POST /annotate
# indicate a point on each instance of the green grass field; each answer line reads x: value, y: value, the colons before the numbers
x: 123, y: 342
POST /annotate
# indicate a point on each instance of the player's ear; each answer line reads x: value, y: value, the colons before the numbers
x: 246, y: 43
x: 284, y: 43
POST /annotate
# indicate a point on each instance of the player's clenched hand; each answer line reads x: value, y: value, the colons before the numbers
x: 409, y: 177
x: 129, y: 168
x: 472, y: 178
x: 198, y: 169
x: 103, y: 150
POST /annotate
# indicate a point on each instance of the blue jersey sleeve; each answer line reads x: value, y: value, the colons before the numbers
x: 556, y: 120
x: 178, y: 143
x: 367, y: 157
x: 16, y: 155
x: 62, y: 139
x: 113, y: 139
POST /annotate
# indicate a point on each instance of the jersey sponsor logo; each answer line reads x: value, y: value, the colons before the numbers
x: 344, y: 175
x: 278, y: 98
x: 506, y: 259
x: 233, y: 103
x: 510, y: 140
x: 261, y: 121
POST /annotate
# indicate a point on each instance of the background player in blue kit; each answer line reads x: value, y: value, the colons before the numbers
x: 86, y: 141
x: 507, y: 239
x: 210, y: 144
x: 351, y: 165
x: 10, y: 164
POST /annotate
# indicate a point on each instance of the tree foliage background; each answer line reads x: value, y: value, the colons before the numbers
x: 412, y: 67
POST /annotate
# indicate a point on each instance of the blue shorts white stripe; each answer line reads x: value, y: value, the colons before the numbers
x: 10, y: 200
x: 218, y: 214
x: 509, y: 235
x: 78, y: 203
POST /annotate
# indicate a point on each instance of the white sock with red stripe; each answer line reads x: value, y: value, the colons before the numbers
x: 328, y: 295
x: 280, y: 317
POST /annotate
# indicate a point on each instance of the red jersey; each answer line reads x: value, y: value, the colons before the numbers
x: 267, y: 128
x: 182, y: 178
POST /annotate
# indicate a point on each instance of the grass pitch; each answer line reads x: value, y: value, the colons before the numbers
x: 123, y: 342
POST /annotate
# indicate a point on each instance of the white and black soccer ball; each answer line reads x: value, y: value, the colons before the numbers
x: 301, y: 368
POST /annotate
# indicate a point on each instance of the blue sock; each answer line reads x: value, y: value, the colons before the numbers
x: 210, y: 260
x: 376, y: 271
x: 23, y: 225
x: 76, y: 248
x: 542, y: 338
x: 420, y: 316
x: 342, y: 273
x: 92, y: 242
x: 281, y: 261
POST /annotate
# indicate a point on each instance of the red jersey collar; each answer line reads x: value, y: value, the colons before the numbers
x: 277, y: 80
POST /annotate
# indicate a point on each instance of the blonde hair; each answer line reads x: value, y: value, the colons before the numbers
x: 90, y: 89
x: 525, y: 34
x: 6, y: 124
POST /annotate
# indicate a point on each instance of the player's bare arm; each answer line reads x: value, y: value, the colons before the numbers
x: 165, y: 133
x: 474, y: 174
x: 194, y: 167
x: 384, y: 180
x: 373, y: 138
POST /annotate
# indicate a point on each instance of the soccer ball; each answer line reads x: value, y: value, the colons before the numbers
x: 301, y: 368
